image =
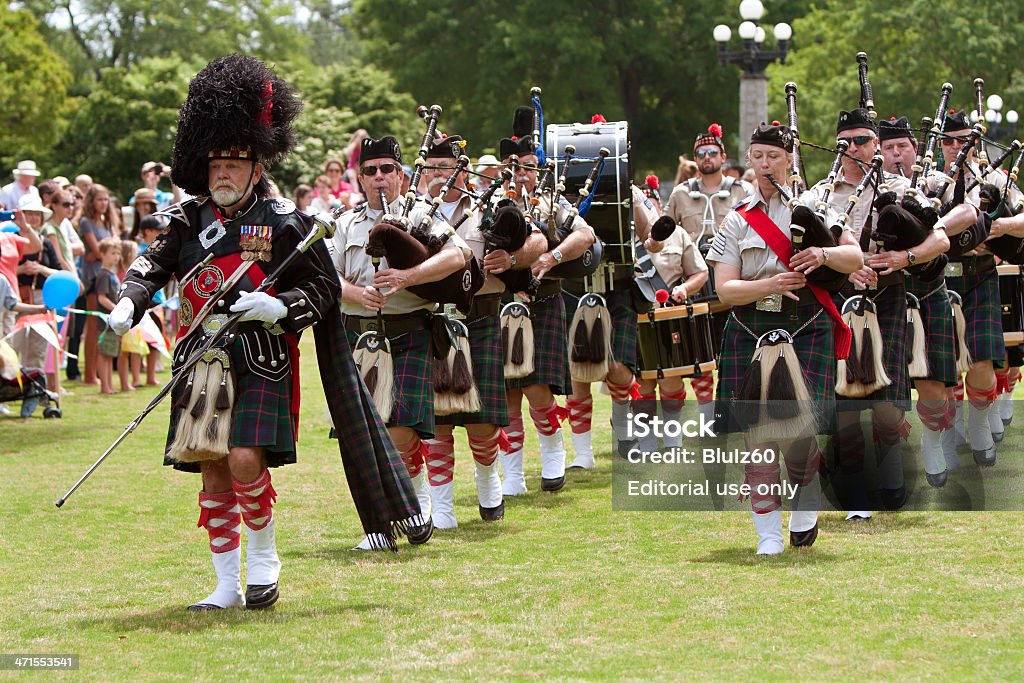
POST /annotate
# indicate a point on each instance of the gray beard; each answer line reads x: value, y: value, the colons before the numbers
x: 227, y: 197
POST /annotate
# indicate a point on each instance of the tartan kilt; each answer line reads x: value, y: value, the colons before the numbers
x: 814, y: 349
x: 488, y: 373
x: 983, y: 314
x: 940, y: 339
x: 550, y: 348
x: 260, y: 418
x: 624, y: 325
x: 414, y: 380
x: 891, y: 307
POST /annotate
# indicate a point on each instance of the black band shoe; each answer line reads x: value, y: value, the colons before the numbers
x: 260, y: 597
x: 203, y: 607
x: 418, y: 535
x: 985, y: 458
x: 803, y: 539
x: 552, y: 485
x: 493, y: 514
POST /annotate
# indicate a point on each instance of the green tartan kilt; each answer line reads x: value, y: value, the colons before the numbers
x: 414, y: 380
x: 624, y: 325
x: 891, y: 306
x: 984, y: 317
x: 260, y: 418
x: 814, y: 349
x: 550, y: 348
x: 488, y: 373
x: 940, y: 339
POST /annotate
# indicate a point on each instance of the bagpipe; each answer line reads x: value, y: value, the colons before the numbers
x: 406, y: 245
x: 995, y: 204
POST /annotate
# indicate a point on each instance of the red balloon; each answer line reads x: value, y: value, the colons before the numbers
x: 661, y: 295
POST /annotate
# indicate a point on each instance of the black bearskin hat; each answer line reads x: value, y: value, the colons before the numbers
x: 522, y: 122
x: 518, y: 146
x: 236, y: 107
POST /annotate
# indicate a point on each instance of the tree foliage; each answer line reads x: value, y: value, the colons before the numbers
x: 35, y: 81
x: 913, y: 48
x: 653, y: 63
x: 129, y: 118
x: 338, y: 101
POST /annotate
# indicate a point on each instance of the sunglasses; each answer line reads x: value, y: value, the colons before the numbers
x: 67, y: 205
x: 370, y: 171
x: 859, y: 140
x: 701, y: 153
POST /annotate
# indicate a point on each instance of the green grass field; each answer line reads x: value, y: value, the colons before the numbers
x: 564, y: 588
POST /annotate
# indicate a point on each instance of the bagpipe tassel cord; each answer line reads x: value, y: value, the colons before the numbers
x: 376, y: 366
x: 747, y: 406
x: 459, y: 393
x: 785, y: 397
x: 917, y: 351
x: 591, y: 335
x: 204, y: 426
x: 517, y: 343
x: 963, y: 354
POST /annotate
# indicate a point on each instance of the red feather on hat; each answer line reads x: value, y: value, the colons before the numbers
x: 598, y: 118
x: 715, y: 130
x: 652, y: 182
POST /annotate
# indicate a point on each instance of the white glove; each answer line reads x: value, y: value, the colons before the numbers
x: 120, y: 319
x: 259, y: 306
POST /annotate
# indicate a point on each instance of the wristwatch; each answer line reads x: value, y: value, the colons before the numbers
x: 512, y: 260
x: 911, y: 258
x: 557, y: 255
x: 824, y: 254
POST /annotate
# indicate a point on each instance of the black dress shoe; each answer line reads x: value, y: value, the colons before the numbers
x: 803, y: 539
x: 624, y: 447
x: 893, y: 499
x: 493, y: 514
x: 203, y: 607
x: 1007, y: 421
x: 998, y: 436
x: 260, y: 597
x: 552, y: 485
x: 937, y: 480
x: 986, y: 458
x: 418, y: 535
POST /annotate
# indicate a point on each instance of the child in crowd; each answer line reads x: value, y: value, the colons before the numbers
x: 107, y: 285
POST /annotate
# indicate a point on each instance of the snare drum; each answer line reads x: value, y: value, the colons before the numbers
x: 1011, y: 303
x: 676, y: 342
x: 611, y: 211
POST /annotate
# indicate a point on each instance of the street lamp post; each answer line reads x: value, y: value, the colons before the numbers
x: 753, y: 60
x: 994, y: 118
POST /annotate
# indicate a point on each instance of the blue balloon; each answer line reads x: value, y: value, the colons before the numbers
x: 60, y: 290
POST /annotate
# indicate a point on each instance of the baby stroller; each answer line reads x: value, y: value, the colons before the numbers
x: 27, y: 385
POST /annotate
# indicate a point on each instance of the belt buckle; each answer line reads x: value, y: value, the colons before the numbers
x: 368, y: 325
x: 770, y: 304
x: 954, y: 269
x: 453, y: 313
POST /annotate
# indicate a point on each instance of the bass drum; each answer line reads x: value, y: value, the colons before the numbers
x: 610, y: 211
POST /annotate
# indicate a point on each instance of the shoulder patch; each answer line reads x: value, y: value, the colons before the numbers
x: 178, y: 211
x: 282, y: 206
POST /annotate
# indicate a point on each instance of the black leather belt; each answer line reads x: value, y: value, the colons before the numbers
x: 548, y: 289
x: 394, y: 325
x: 890, y: 279
x: 970, y: 265
x: 484, y: 306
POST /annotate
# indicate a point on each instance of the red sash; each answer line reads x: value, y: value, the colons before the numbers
x: 777, y: 241
x: 208, y: 281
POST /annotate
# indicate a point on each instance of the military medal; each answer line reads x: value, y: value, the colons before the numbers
x: 255, y: 242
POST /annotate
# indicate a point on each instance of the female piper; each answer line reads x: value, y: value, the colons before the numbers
x: 766, y: 283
